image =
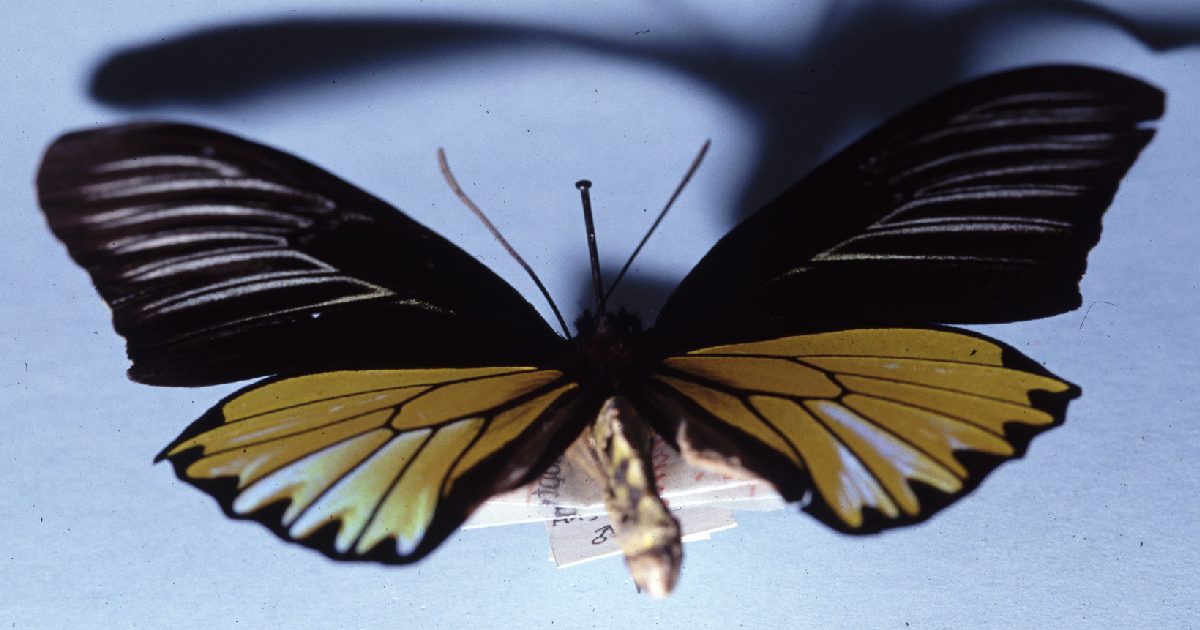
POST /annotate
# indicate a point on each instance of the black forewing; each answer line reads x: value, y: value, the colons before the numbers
x: 223, y: 259
x: 978, y: 205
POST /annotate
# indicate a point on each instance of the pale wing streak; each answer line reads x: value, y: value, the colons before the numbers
x: 162, y: 240
x: 153, y: 213
x: 830, y: 255
x: 953, y: 219
x: 180, y: 265
x: 983, y: 192
x: 928, y: 198
x: 990, y: 122
x: 306, y: 307
x: 1058, y: 166
x: 1036, y: 98
x: 168, y: 161
x: 1049, y: 145
x: 965, y: 224
x: 149, y: 185
x: 249, y: 285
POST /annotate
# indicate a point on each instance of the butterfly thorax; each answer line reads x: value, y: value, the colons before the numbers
x: 610, y: 355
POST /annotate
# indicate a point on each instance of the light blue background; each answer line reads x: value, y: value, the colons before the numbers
x: 1095, y: 528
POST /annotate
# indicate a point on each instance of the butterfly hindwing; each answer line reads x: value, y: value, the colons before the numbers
x: 223, y: 259
x: 376, y: 464
x: 978, y: 205
x: 885, y: 426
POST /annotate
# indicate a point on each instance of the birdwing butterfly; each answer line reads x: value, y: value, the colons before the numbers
x: 407, y: 383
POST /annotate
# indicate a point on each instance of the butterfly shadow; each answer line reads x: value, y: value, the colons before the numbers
x: 803, y: 102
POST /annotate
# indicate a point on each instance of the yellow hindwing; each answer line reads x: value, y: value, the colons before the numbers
x: 867, y: 412
x: 375, y: 452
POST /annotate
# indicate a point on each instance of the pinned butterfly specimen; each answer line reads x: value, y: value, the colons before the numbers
x: 407, y: 383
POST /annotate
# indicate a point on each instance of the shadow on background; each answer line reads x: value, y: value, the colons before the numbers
x: 642, y: 292
x: 867, y: 61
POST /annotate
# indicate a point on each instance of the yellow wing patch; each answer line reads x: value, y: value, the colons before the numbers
x: 376, y: 453
x: 867, y: 412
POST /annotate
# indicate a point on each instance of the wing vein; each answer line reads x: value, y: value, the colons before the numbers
x: 431, y: 385
x: 322, y: 427
x: 904, y: 382
x: 940, y: 412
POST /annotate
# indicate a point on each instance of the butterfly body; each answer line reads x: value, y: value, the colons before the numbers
x: 407, y: 383
x: 613, y: 349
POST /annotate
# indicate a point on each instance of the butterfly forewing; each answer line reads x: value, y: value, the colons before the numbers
x: 885, y: 425
x: 223, y: 259
x: 378, y: 464
x: 978, y: 205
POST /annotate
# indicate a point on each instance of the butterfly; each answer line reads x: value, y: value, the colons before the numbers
x: 406, y: 383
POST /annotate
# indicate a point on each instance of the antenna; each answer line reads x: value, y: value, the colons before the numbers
x: 462, y: 196
x: 675, y: 195
x: 597, y: 282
